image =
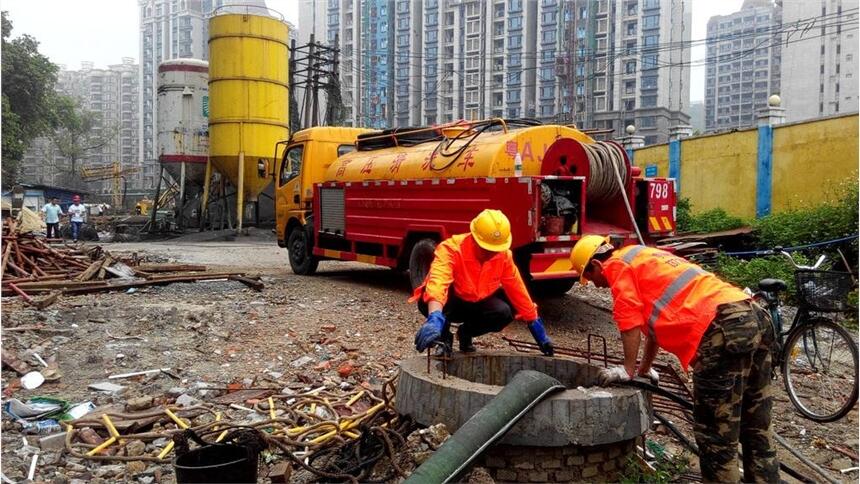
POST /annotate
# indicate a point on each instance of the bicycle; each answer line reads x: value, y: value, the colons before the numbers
x: 817, y: 356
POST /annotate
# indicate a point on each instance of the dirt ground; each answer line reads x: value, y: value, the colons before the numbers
x: 217, y: 333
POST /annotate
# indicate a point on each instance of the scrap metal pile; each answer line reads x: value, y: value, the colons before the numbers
x: 31, y: 266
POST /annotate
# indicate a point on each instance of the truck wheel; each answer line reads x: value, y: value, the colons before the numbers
x: 551, y: 287
x: 302, y: 261
x: 419, y: 261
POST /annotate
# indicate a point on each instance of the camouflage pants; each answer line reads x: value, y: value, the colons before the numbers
x: 732, y: 395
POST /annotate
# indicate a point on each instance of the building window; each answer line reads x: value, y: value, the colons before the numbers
x: 648, y: 121
x: 631, y: 28
x: 515, y: 5
x: 649, y: 61
x: 547, y: 73
x: 629, y: 87
x: 650, y: 40
x: 648, y: 101
x: 548, y: 36
x: 547, y: 92
x: 515, y: 22
x: 650, y: 21
x: 630, y: 67
x: 629, y: 104
x: 514, y: 96
x: 600, y: 103
x: 515, y: 60
x: 549, y: 17
x: 515, y: 41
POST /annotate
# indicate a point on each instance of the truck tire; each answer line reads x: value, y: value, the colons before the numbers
x: 419, y: 261
x: 551, y: 287
x: 299, y: 250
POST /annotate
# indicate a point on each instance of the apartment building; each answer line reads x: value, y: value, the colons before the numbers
x: 112, y: 93
x: 819, y: 60
x: 744, y: 55
x: 598, y: 63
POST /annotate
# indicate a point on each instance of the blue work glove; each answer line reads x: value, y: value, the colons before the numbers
x: 431, y: 331
x: 539, y: 334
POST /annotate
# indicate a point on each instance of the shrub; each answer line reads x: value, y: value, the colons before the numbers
x: 713, y: 220
x: 747, y: 273
x: 827, y: 221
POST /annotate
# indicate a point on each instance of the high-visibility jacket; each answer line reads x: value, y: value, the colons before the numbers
x: 456, y: 266
x: 666, y: 297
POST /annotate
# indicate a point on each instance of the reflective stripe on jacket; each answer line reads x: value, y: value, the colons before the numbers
x: 456, y: 266
x: 666, y: 297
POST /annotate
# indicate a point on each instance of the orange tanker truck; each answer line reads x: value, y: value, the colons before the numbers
x: 388, y: 197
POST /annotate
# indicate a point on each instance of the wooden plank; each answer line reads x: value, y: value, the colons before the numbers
x: 6, y: 253
x: 253, y: 284
x: 90, y: 271
x: 170, y: 267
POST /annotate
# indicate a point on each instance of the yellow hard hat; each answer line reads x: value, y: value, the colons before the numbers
x: 584, y: 250
x: 492, y: 230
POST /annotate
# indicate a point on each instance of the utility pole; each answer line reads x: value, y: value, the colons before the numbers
x: 314, y: 66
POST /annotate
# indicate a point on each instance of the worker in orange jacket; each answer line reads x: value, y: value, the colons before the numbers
x: 473, y: 280
x: 706, y: 323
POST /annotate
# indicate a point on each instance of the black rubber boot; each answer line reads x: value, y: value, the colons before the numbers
x: 466, y: 345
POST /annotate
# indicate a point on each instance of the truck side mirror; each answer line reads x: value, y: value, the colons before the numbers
x: 262, y: 167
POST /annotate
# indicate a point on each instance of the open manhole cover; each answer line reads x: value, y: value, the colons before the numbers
x: 580, y: 433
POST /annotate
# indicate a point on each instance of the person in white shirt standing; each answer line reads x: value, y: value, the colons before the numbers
x: 77, y: 211
x: 52, y: 211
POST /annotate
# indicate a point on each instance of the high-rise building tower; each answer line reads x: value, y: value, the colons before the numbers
x: 744, y: 53
x: 826, y: 31
x: 111, y: 93
x: 601, y: 63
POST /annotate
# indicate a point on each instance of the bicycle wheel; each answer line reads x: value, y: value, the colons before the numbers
x: 820, y: 370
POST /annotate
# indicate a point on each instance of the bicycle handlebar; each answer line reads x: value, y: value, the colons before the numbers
x: 821, y: 259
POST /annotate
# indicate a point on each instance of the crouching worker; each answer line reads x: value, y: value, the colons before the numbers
x: 473, y: 280
x: 705, y: 322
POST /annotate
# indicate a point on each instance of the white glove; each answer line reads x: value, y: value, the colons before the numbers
x: 608, y: 376
x: 652, y: 375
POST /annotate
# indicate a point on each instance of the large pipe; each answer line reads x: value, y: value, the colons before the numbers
x: 525, y: 390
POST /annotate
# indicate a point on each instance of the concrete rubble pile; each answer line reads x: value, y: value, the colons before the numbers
x: 340, y: 432
x: 40, y: 272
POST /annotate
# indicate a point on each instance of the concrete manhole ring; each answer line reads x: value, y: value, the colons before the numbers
x: 582, y: 415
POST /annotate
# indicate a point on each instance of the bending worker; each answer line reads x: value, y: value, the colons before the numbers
x: 473, y: 280
x: 704, y: 321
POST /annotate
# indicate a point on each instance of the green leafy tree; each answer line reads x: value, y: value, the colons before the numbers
x: 78, y: 133
x: 28, y: 91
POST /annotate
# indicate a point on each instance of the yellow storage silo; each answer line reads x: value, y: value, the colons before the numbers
x: 248, y: 103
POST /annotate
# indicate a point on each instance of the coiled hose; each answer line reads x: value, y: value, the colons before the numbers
x: 602, y: 186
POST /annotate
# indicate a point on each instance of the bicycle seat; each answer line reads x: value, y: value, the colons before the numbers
x: 772, y: 285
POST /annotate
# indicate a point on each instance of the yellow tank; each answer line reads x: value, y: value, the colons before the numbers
x: 248, y: 110
x: 489, y: 154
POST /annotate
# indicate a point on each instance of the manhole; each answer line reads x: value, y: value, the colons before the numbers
x: 583, y: 433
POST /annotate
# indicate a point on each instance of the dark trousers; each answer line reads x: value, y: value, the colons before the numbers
x: 76, y: 230
x: 732, y: 396
x: 489, y: 315
x: 53, y: 230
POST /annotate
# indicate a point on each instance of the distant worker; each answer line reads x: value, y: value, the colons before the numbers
x: 473, y: 280
x: 705, y: 322
x: 52, y: 211
x: 77, y: 211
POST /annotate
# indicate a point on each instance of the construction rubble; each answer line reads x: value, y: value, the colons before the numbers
x: 39, y: 272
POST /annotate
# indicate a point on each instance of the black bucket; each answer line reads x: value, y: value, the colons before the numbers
x: 220, y: 463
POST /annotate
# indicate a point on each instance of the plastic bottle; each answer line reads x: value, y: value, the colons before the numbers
x: 43, y: 427
x: 518, y: 165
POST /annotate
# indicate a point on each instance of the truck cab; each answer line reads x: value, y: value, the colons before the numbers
x: 303, y: 163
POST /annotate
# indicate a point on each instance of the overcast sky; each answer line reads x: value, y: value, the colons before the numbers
x: 105, y: 31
